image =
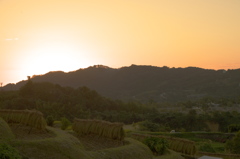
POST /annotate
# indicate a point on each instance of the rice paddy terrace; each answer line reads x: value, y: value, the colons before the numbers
x: 35, y: 142
x: 88, y: 139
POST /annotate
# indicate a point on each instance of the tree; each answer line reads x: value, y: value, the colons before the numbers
x: 149, y: 126
x: 27, y: 89
x: 191, y: 119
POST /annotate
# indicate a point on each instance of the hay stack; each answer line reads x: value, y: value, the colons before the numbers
x: 102, y: 128
x: 32, y: 118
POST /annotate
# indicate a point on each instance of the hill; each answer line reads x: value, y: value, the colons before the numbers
x: 147, y: 83
x: 54, y: 143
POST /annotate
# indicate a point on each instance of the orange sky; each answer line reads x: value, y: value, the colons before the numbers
x: 37, y: 36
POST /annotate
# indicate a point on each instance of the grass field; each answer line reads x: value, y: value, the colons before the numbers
x: 215, y: 141
x: 54, y: 143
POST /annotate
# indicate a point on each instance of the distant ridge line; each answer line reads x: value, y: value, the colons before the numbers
x: 145, y: 82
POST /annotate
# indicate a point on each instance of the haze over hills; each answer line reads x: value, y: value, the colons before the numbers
x: 147, y: 83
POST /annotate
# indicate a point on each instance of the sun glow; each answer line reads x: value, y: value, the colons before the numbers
x: 50, y: 35
x: 54, y: 58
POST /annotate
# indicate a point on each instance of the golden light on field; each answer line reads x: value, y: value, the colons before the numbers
x: 38, y: 36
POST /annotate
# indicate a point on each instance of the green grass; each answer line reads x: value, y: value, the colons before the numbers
x: 218, y: 147
x: 198, y: 137
x: 62, y: 146
x: 170, y: 155
x: 133, y: 150
x: 65, y: 146
x: 194, y: 136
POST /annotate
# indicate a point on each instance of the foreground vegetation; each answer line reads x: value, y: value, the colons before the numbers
x: 57, y: 102
x: 66, y: 104
x: 158, y: 143
x: 59, y: 144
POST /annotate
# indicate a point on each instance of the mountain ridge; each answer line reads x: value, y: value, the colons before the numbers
x: 146, y: 83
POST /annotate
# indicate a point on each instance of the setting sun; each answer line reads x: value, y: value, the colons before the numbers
x: 53, y: 57
x: 50, y: 35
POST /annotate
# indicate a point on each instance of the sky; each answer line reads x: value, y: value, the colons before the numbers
x: 38, y: 36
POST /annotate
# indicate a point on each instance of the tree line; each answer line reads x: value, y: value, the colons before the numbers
x: 58, y: 101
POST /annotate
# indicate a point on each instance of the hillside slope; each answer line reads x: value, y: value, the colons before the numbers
x: 147, y: 83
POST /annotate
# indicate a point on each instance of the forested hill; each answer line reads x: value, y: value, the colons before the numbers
x: 147, y: 83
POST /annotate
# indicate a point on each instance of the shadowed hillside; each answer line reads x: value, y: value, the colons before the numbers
x: 147, y: 83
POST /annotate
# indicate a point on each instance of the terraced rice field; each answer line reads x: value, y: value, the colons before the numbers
x: 94, y: 143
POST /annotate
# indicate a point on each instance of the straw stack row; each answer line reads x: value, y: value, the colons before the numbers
x: 32, y: 118
x: 98, y: 127
x: 183, y: 146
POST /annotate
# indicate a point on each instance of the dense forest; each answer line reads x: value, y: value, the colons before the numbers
x: 58, y: 101
x: 144, y: 83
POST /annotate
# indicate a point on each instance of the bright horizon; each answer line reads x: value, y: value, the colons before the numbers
x: 65, y: 35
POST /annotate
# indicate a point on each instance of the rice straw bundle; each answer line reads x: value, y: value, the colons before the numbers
x: 100, y: 128
x: 32, y: 118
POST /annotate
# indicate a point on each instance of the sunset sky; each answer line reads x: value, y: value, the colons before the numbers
x: 38, y: 36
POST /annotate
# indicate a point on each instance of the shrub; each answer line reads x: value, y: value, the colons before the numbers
x: 50, y: 120
x: 206, y: 147
x: 157, y: 145
x: 233, y: 128
x: 234, y: 145
x: 8, y: 152
x: 149, y: 126
x: 65, y: 123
